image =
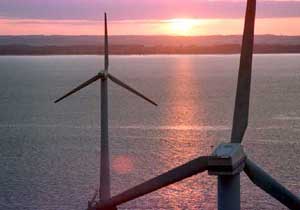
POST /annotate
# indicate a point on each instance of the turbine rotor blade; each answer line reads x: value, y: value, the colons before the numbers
x: 83, y: 85
x: 106, y: 43
x: 241, y: 112
x: 175, y: 175
x: 122, y: 84
x: 263, y: 180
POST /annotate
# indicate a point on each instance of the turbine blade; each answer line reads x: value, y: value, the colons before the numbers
x: 271, y: 186
x: 83, y: 85
x: 175, y: 175
x: 241, y: 112
x: 106, y: 43
x: 122, y: 84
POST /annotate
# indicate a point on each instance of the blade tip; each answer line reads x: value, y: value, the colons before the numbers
x: 58, y: 100
x: 152, y: 102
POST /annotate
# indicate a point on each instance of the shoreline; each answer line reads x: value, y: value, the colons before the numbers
x: 153, y: 54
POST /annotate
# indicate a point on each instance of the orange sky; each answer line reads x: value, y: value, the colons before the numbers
x: 145, y: 17
x: 186, y: 27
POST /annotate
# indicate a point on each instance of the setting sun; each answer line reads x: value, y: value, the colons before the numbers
x: 182, y: 26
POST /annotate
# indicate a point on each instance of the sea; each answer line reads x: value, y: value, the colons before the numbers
x: 49, y: 153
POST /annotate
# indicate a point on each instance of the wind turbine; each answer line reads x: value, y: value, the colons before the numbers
x: 229, y: 159
x: 104, y: 76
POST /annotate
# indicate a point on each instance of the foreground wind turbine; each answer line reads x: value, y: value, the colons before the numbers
x: 229, y: 159
x: 104, y: 192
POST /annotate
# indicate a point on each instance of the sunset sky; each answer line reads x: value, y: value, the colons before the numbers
x: 145, y: 17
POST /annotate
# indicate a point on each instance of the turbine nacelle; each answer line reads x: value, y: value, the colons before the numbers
x: 227, y: 159
x: 103, y: 74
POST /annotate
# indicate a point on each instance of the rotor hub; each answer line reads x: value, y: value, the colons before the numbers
x: 227, y: 159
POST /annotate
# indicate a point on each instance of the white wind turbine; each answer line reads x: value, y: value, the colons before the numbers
x: 104, y: 76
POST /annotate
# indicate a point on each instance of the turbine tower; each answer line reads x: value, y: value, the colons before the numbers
x: 229, y: 159
x: 104, y: 76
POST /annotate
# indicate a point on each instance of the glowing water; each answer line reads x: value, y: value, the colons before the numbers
x: 49, y: 154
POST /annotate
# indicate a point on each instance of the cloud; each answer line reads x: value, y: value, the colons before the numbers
x: 280, y: 26
x: 141, y: 9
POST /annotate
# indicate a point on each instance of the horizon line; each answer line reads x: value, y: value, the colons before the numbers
x: 147, y: 35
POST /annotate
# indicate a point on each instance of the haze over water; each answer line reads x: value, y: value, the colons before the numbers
x: 49, y: 153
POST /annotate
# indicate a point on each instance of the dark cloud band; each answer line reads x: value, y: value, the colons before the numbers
x: 141, y: 9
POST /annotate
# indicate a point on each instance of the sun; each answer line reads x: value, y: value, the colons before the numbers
x: 182, y: 26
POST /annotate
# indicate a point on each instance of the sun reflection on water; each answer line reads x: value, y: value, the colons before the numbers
x: 123, y: 164
x: 186, y: 143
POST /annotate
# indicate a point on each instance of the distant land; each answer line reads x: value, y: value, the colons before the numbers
x: 142, y: 45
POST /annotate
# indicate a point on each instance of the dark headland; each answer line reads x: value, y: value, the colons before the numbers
x: 143, y: 45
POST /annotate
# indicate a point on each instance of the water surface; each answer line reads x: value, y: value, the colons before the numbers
x: 49, y: 153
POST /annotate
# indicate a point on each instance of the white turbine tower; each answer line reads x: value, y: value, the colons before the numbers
x: 104, y: 76
x: 229, y: 159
